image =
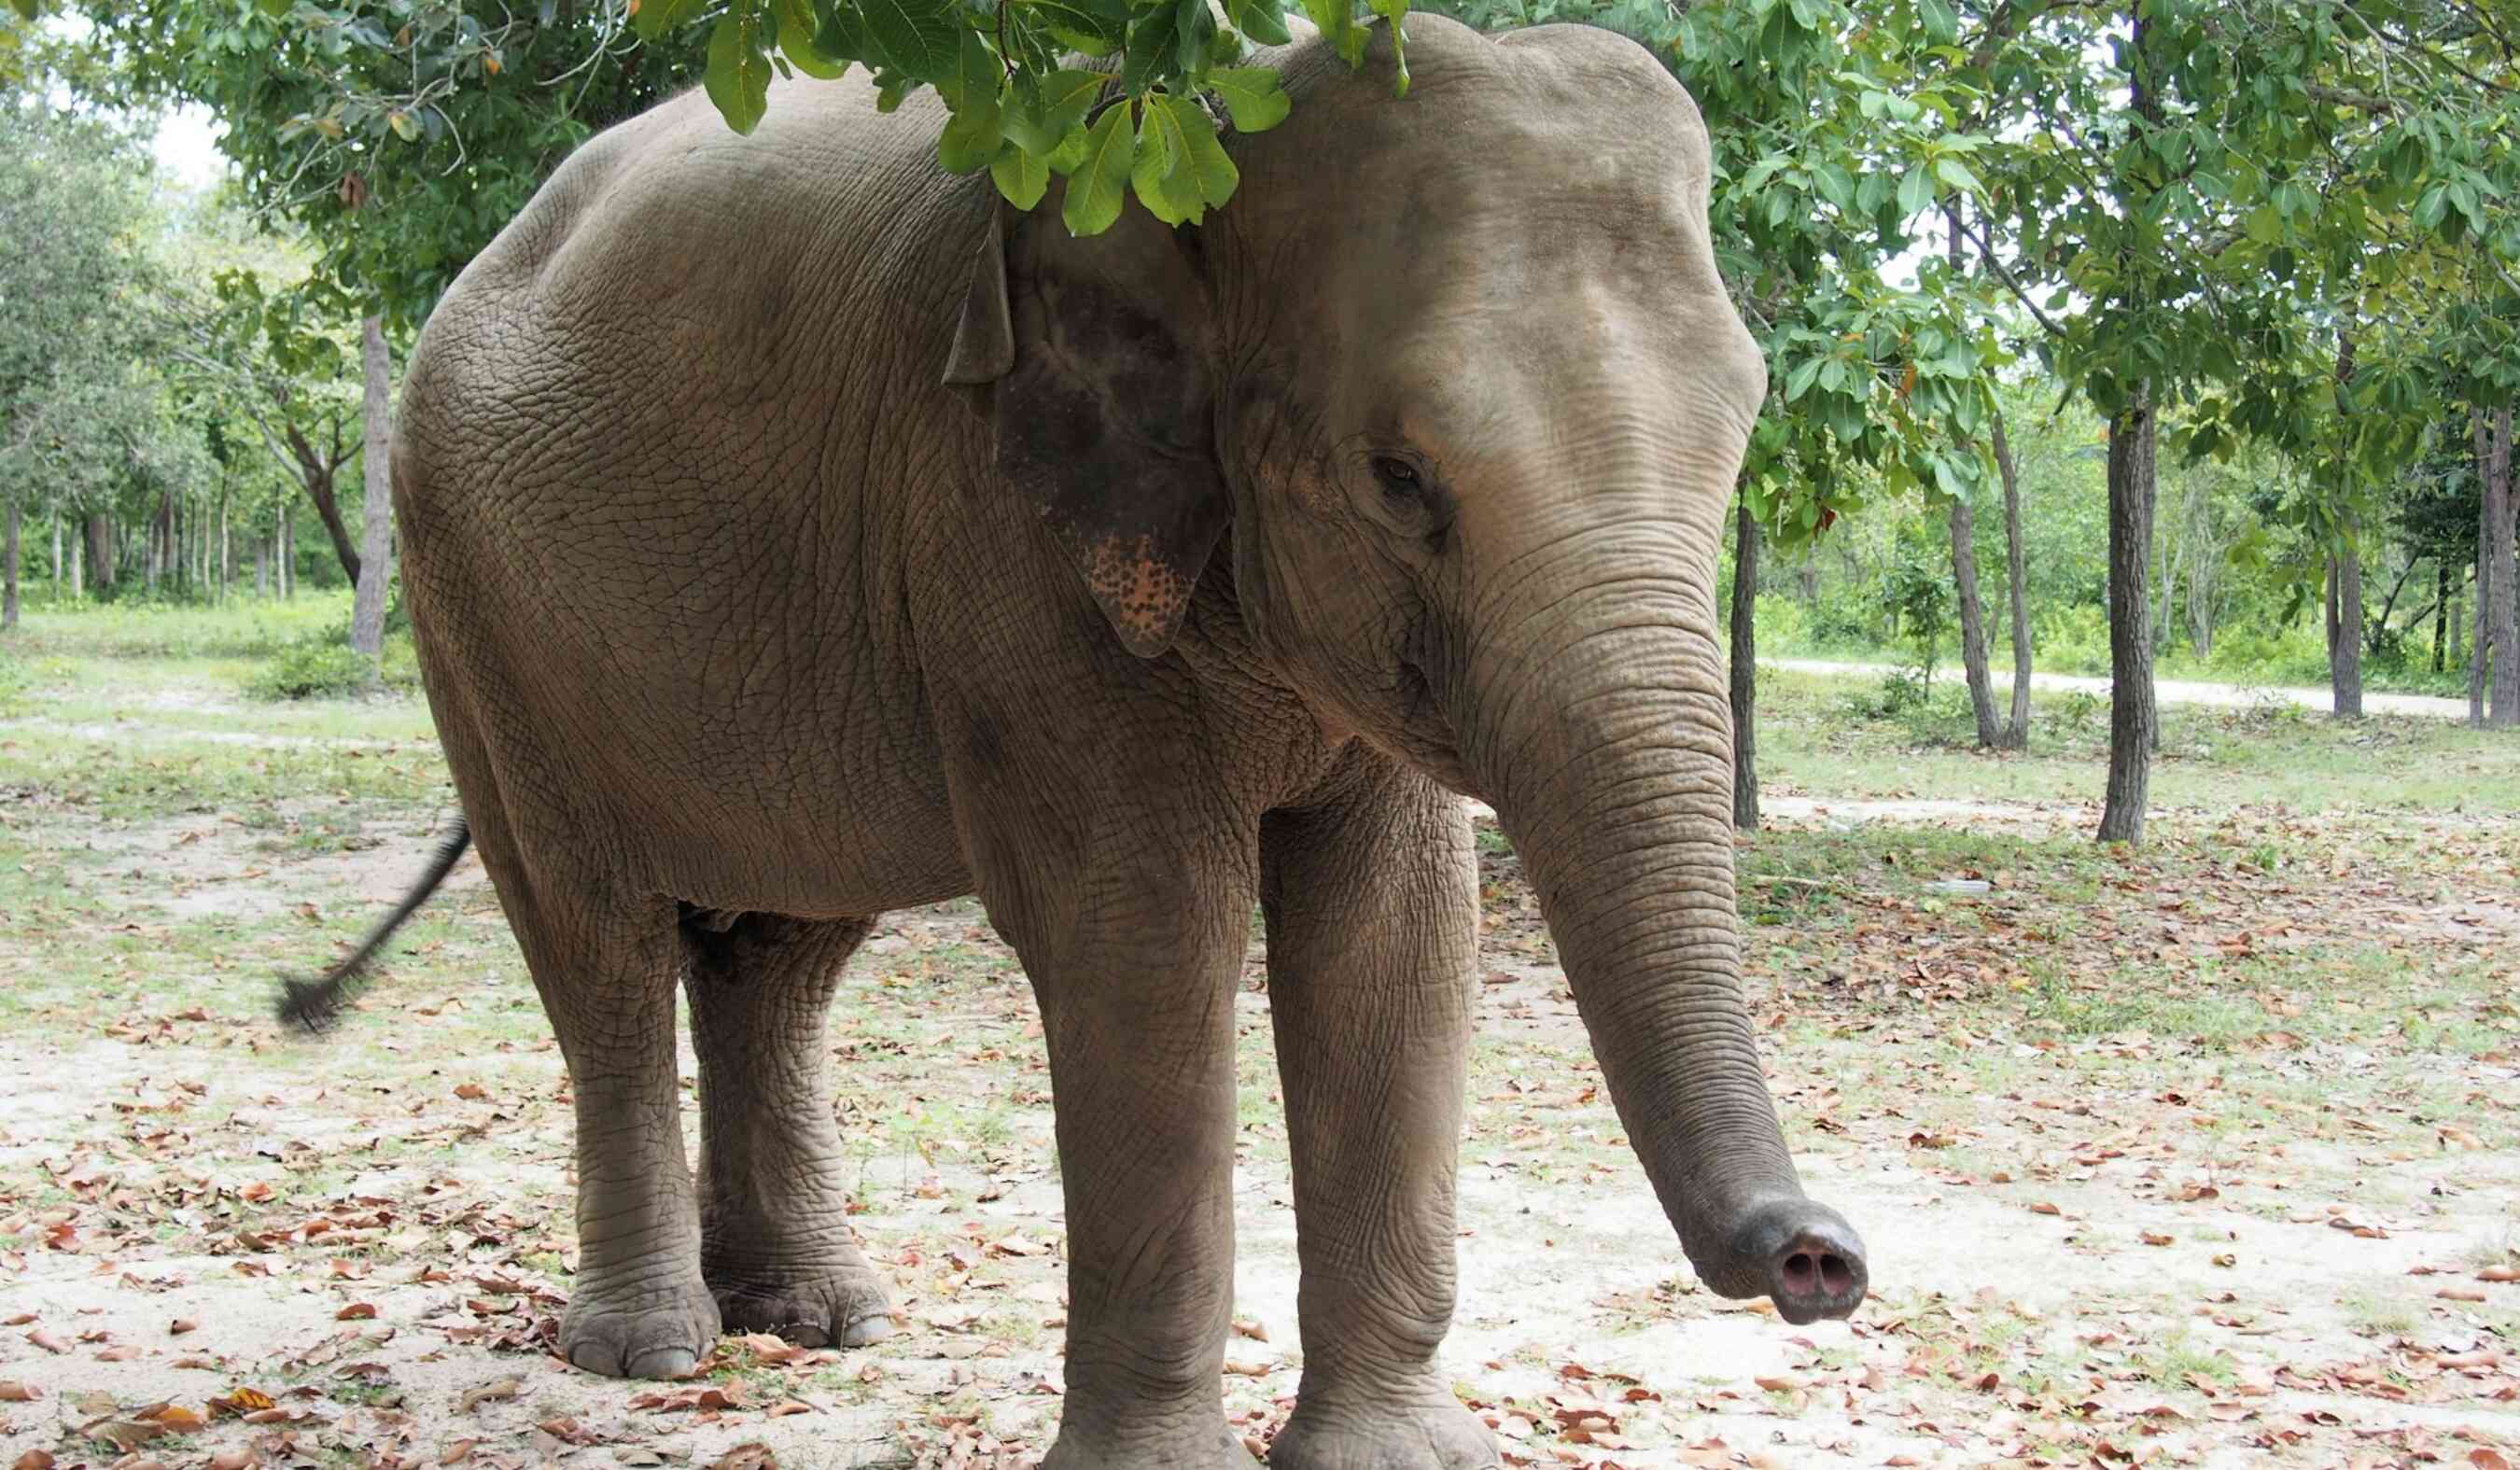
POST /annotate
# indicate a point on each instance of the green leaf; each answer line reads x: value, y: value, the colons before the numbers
x: 1100, y: 185
x: 842, y: 35
x: 1062, y: 160
x: 1253, y: 95
x: 2431, y: 207
x: 1085, y: 25
x: 1335, y: 20
x: 1799, y: 380
x: 1942, y: 23
x: 1263, y: 20
x: 656, y: 16
x: 1150, y: 52
x: 1196, y: 24
x: 918, y: 37
x: 1954, y: 172
x: 977, y: 75
x: 799, y: 37
x: 738, y: 73
x: 1393, y: 12
x: 1190, y: 135
x: 1020, y: 176
x: 1159, y: 176
x: 1046, y: 111
x: 971, y: 139
x: 1916, y: 192
x: 1835, y: 184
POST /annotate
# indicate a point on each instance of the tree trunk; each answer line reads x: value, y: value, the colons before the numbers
x: 227, y: 548
x: 1981, y: 684
x: 261, y: 567
x: 2168, y: 571
x: 57, y: 556
x: 2481, y: 440
x: 2132, y: 718
x: 2440, y: 614
x: 1745, y: 670
x: 161, y: 536
x: 2495, y: 551
x: 2016, y: 728
x: 287, y: 554
x: 375, y: 554
x: 2345, y: 631
x: 100, y: 550
x: 9, y: 589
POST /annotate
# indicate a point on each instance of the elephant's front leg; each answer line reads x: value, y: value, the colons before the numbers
x: 1135, y: 960
x: 1373, y: 909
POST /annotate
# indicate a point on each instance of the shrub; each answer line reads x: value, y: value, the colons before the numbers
x: 314, y: 669
x: 1783, y: 626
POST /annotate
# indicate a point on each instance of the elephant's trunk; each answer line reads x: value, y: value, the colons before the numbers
x: 1596, y: 723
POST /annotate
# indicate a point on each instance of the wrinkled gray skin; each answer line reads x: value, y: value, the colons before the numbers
x: 742, y: 626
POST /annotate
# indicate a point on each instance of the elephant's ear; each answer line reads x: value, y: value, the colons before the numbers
x: 1104, y: 408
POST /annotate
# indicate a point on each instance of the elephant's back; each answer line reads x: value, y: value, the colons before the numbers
x: 647, y: 450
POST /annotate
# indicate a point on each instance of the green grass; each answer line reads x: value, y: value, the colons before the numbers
x: 2209, y: 758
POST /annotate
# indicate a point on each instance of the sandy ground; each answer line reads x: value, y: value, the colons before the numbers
x: 2170, y: 691
x: 198, y: 1227
x: 222, y: 1248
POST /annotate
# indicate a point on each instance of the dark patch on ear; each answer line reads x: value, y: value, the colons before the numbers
x: 1108, y: 420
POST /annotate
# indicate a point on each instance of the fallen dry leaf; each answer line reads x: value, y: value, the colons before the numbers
x: 125, y: 1435
x: 48, y: 1340
x: 177, y: 1417
x: 13, y: 1392
x: 181, y: 1326
x: 240, y: 1401
x: 356, y: 1311
x: 505, y: 1388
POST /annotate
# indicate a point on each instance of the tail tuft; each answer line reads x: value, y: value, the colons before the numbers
x: 313, y: 1005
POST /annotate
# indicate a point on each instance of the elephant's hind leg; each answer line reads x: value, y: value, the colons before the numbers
x: 605, y: 962
x: 775, y: 1241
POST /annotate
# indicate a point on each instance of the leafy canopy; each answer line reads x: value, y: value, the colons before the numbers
x: 1017, y: 108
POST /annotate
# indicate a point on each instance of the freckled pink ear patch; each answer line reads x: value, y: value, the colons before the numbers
x: 1142, y: 595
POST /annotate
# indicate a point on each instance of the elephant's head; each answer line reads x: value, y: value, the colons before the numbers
x: 1457, y: 375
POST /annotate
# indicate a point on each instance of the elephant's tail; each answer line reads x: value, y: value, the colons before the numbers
x: 313, y: 1005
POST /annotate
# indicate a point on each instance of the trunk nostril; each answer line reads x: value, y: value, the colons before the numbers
x: 1802, y: 1272
x: 1835, y: 1276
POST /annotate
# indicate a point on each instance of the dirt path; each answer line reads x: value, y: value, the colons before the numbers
x: 2171, y: 690
x: 2203, y: 1155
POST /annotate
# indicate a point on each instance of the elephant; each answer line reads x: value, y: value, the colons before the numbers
x: 792, y: 534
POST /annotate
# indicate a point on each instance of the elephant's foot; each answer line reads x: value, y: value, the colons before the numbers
x: 838, y: 1304
x: 639, y: 1329
x: 1426, y: 1433
x: 1204, y: 1446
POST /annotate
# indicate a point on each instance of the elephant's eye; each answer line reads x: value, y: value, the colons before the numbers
x: 1399, y: 478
